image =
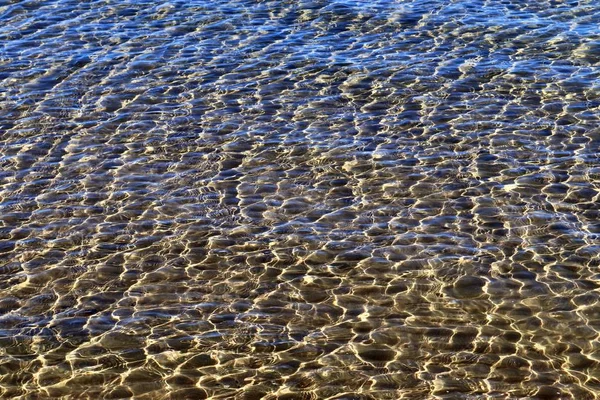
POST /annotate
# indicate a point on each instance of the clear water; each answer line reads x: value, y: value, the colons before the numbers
x: 299, y: 199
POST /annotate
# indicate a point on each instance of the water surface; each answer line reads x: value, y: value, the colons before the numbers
x: 299, y: 199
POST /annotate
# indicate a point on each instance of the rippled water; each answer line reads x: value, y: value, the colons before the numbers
x: 300, y: 199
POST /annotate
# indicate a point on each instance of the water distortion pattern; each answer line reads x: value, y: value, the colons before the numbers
x: 299, y: 199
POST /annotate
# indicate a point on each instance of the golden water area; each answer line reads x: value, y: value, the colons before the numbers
x: 298, y: 200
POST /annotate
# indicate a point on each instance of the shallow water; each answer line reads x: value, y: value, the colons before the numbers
x: 299, y: 199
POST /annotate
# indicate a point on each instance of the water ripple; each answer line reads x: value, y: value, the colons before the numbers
x: 299, y: 199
